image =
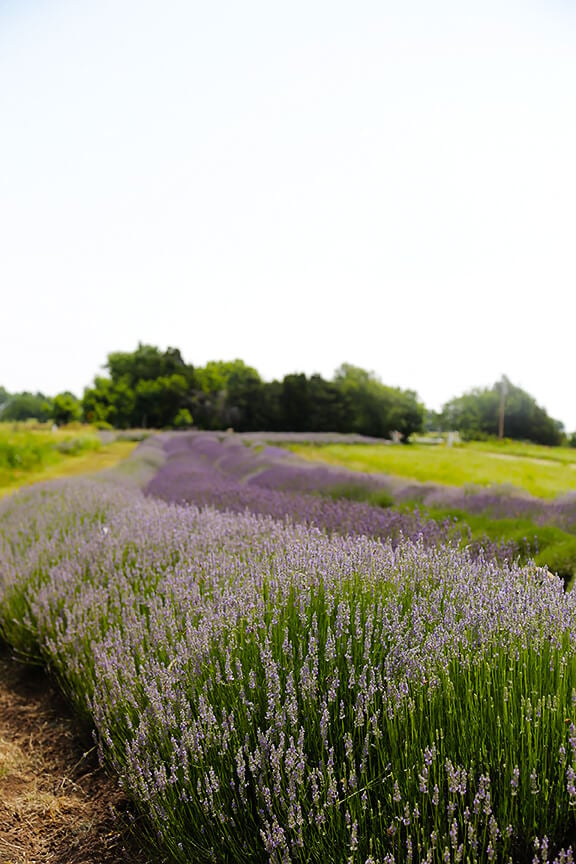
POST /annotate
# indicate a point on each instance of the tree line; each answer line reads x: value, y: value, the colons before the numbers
x: 150, y: 388
x: 503, y: 408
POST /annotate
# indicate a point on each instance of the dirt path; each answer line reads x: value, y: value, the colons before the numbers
x: 56, y: 805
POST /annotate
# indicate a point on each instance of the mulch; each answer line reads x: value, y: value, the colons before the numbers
x: 57, y: 805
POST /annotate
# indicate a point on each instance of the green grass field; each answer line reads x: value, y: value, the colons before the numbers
x: 542, y: 471
x: 32, y: 453
x: 545, y: 472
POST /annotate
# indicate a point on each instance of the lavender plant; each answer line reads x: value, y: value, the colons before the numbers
x: 267, y: 692
x: 222, y: 472
x: 227, y: 475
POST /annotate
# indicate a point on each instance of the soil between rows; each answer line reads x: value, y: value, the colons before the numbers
x: 57, y: 806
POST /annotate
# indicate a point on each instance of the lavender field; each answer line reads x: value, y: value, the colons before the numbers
x: 224, y: 473
x: 273, y: 679
x: 240, y: 472
x: 196, y: 464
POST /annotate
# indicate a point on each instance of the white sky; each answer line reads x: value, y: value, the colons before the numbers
x: 389, y: 183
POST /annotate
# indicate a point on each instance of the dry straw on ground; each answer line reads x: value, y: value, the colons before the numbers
x: 56, y: 805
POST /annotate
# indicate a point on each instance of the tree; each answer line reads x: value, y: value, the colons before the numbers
x: 246, y: 405
x: 474, y: 414
x: 159, y: 401
x: 109, y: 403
x: 227, y: 393
x: 147, y: 363
x: 377, y: 409
x: 329, y: 406
x: 271, y: 406
x: 147, y: 388
x: 66, y: 408
x: 296, y: 405
x: 27, y: 406
x: 215, y: 375
x: 183, y: 419
x: 405, y: 414
x: 480, y: 413
x: 151, y: 388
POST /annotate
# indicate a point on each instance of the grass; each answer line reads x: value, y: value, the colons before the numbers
x: 542, y: 471
x: 358, y: 492
x: 34, y: 453
x: 548, y: 545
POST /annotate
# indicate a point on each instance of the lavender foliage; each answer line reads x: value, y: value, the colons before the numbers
x: 284, y: 470
x: 239, y: 472
x: 269, y: 693
x: 224, y: 473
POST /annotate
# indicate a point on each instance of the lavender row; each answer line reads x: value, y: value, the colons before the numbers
x: 228, y: 475
x: 269, y: 693
x: 246, y: 460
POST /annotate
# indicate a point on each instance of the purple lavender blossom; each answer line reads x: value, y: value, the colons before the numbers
x: 255, y: 682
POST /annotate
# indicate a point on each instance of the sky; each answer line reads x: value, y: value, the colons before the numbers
x: 387, y: 183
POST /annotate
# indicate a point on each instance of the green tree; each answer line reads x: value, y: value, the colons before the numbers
x: 329, y: 406
x: 405, y: 413
x: 376, y: 409
x: 476, y: 414
x: 159, y: 401
x: 296, y: 404
x: 147, y: 363
x: 27, y: 406
x: 245, y: 398
x: 313, y: 405
x: 227, y: 393
x: 109, y: 403
x: 183, y: 419
x: 215, y: 375
x: 271, y: 406
x: 66, y: 408
x: 146, y: 387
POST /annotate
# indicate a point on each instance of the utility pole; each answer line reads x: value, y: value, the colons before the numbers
x: 503, y: 391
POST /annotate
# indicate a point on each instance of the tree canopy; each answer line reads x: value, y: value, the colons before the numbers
x: 147, y: 388
x: 158, y: 389
x: 376, y: 409
x: 26, y: 406
x: 477, y: 414
x: 151, y: 388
